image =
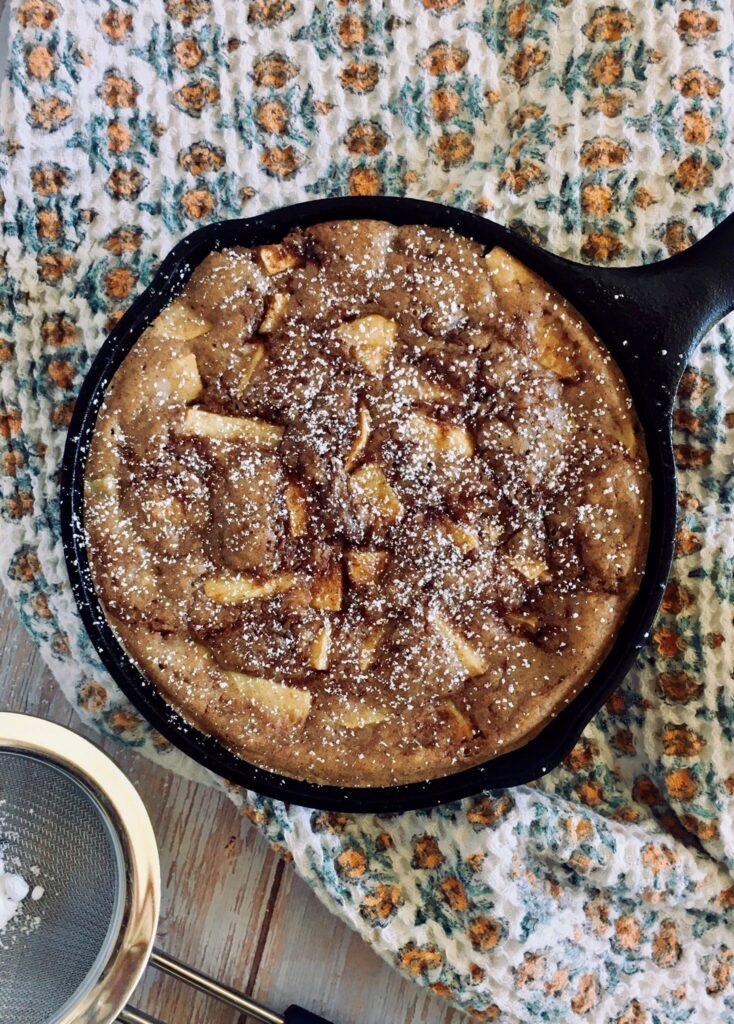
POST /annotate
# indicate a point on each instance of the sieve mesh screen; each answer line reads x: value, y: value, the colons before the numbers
x: 50, y: 820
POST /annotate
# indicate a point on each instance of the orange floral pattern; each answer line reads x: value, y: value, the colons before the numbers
x: 602, y: 130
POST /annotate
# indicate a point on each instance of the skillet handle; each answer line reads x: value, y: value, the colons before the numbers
x: 297, y: 1015
x: 653, y: 316
x: 681, y: 298
x: 700, y: 284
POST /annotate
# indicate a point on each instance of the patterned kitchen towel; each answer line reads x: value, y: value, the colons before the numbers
x: 604, y: 131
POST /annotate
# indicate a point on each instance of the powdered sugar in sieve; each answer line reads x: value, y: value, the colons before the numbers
x: 49, y: 949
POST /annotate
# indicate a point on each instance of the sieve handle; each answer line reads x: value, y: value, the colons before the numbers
x: 213, y: 988
x: 293, y: 1015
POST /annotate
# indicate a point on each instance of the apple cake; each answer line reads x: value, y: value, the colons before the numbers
x: 369, y: 504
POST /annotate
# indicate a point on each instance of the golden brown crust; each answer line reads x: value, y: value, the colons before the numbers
x: 368, y: 505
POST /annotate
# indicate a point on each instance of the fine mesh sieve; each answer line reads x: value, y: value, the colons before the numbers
x: 51, y: 822
x: 71, y: 822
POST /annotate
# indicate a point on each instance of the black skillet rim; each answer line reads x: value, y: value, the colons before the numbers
x: 531, y: 761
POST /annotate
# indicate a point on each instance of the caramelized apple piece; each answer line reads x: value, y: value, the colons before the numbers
x: 365, y: 566
x: 470, y: 657
x: 320, y: 648
x: 356, y: 716
x: 368, y: 652
x: 274, y: 259
x: 326, y: 590
x: 274, y: 311
x: 508, y: 274
x: 443, y: 438
x: 231, y: 428
x: 185, y: 382
x: 531, y: 569
x: 430, y: 391
x: 512, y: 279
x: 284, y: 701
x: 297, y: 508
x: 254, y: 355
x: 492, y: 533
x: 464, y: 538
x: 555, y: 349
x: 369, y: 340
x: 528, y: 621
x: 364, y: 425
x: 460, y: 726
x: 238, y: 589
x: 371, y: 488
x: 180, y: 321
x: 298, y: 597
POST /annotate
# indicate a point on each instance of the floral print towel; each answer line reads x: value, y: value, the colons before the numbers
x: 603, y: 131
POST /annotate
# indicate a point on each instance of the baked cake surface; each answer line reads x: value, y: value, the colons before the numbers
x: 368, y: 505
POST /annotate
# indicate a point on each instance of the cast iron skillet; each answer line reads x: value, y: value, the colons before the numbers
x: 649, y: 317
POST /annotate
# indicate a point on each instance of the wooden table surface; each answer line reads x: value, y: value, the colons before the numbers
x: 230, y: 906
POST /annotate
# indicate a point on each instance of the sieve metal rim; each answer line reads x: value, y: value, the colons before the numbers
x: 105, y: 998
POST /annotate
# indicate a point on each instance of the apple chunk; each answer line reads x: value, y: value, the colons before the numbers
x: 231, y: 428
x: 365, y: 566
x: 353, y: 715
x: 254, y: 355
x: 372, y: 491
x: 184, y: 380
x: 460, y: 726
x: 556, y: 351
x: 179, y: 321
x: 274, y: 259
x: 274, y: 312
x: 465, y: 539
x: 368, y: 651
x: 326, y: 590
x: 320, y: 648
x: 472, y: 659
x: 443, y: 438
x: 296, y: 504
x: 508, y: 274
x: 238, y: 589
x: 514, y: 282
x: 531, y: 569
x: 369, y: 340
x: 278, y: 699
x: 102, y: 486
x: 364, y: 425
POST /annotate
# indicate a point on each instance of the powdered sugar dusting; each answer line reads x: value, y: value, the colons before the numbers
x: 366, y: 503
x: 13, y: 891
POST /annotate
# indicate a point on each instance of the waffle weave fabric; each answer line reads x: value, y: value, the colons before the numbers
x: 604, y: 131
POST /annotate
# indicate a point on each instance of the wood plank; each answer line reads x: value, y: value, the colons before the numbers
x: 230, y: 906
x: 305, y: 942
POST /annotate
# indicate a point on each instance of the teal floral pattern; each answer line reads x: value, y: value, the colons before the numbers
x: 600, y: 130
